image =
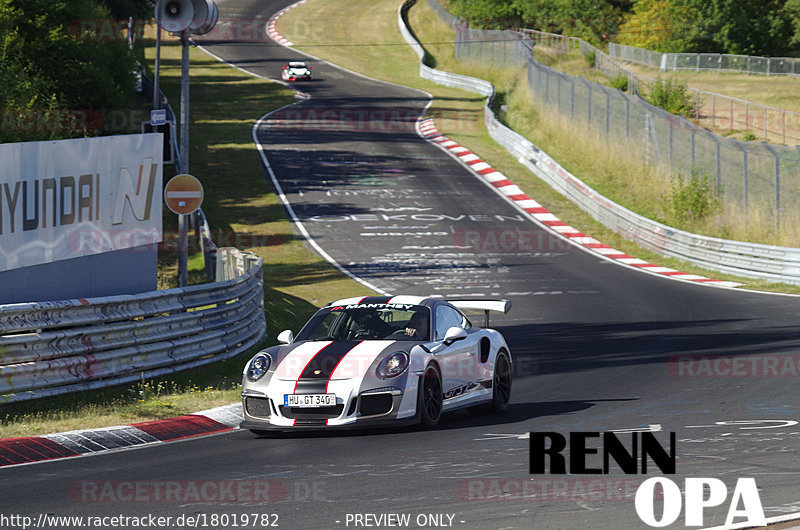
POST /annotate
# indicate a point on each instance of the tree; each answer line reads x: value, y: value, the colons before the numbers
x: 138, y: 9
x: 46, y: 64
x: 593, y: 20
x: 660, y: 25
x: 746, y: 27
x: 486, y: 14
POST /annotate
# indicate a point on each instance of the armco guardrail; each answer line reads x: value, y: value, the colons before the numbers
x: 49, y: 348
x: 749, y: 260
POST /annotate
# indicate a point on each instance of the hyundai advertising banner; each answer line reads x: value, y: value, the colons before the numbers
x: 72, y: 198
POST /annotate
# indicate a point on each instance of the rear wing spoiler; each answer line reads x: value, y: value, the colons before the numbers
x: 498, y: 306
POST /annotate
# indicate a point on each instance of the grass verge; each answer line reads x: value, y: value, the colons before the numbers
x: 378, y: 50
x: 243, y: 211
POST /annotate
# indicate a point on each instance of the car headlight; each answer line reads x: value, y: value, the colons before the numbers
x: 258, y: 366
x: 393, y: 365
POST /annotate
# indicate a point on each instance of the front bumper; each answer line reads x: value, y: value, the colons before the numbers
x: 388, y: 405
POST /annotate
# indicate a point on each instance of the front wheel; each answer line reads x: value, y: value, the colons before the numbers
x: 430, y: 397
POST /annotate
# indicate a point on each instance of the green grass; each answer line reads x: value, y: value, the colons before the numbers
x: 378, y: 50
x: 225, y: 103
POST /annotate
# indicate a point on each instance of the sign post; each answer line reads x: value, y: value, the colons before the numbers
x: 183, y: 195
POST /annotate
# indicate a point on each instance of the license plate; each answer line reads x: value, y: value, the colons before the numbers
x: 309, y: 400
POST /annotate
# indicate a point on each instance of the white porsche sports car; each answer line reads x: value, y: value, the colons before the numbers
x: 296, y: 71
x: 378, y: 359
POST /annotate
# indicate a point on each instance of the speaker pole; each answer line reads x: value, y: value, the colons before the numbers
x: 156, y: 88
x: 183, y: 246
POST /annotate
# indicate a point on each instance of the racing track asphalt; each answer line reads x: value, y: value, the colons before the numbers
x: 595, y: 344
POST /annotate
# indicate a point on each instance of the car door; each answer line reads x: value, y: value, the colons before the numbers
x: 457, y: 360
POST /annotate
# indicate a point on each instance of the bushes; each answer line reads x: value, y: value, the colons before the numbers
x: 671, y: 96
x: 620, y: 83
x: 691, y: 199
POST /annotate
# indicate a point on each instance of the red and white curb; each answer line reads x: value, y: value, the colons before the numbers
x: 273, y: 33
x: 27, y: 450
x: 428, y: 130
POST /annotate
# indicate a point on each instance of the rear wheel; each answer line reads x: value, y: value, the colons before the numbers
x: 501, y: 387
x: 501, y: 383
x: 430, y: 397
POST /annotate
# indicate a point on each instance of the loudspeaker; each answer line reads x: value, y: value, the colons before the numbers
x: 205, y: 16
x: 175, y: 15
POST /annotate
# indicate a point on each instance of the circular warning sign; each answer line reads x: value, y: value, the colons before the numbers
x: 183, y: 194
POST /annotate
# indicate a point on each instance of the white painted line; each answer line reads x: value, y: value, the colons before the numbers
x: 184, y: 194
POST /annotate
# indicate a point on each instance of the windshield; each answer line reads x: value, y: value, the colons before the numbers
x: 368, y: 322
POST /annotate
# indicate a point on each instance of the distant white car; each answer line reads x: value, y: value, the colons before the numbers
x: 296, y: 71
x: 375, y: 360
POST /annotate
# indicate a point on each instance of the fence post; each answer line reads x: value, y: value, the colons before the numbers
x: 746, y: 114
x: 719, y: 168
x: 627, y: 117
x: 558, y: 93
x: 777, y: 171
x: 713, y: 111
x: 572, y: 100
x: 745, y: 175
x: 547, y: 88
x: 777, y: 188
x: 783, y: 126
x: 670, y: 123
x: 731, y: 114
x: 589, y: 112
x: 697, y: 105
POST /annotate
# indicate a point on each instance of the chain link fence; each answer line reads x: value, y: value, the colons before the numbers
x: 720, y: 62
x: 717, y: 111
x: 745, y: 173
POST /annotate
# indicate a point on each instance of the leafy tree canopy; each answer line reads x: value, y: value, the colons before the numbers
x: 746, y: 27
x: 53, y: 56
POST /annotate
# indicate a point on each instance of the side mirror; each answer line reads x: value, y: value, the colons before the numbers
x: 286, y: 336
x: 454, y: 334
